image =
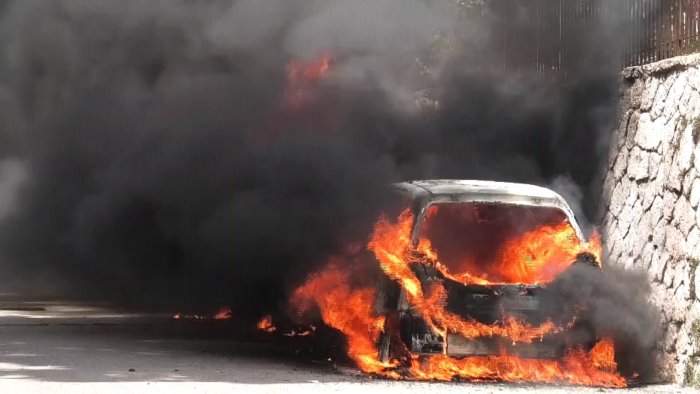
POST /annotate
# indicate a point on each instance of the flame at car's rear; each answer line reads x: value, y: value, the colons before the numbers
x: 265, y: 324
x: 532, y: 257
x: 347, y: 310
x: 577, y: 367
x: 536, y: 256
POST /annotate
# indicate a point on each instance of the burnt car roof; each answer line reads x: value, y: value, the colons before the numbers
x: 474, y: 190
x: 445, y: 191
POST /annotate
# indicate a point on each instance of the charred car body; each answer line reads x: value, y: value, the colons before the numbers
x: 467, y: 223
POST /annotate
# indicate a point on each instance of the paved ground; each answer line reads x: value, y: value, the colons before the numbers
x: 57, y: 348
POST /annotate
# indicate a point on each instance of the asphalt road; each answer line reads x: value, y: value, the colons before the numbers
x: 55, y: 347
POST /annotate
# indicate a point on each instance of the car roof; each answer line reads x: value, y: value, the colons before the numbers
x: 457, y: 187
x: 445, y: 191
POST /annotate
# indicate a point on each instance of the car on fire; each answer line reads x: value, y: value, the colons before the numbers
x: 500, y: 247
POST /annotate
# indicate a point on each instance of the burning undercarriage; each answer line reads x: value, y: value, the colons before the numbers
x: 463, y: 289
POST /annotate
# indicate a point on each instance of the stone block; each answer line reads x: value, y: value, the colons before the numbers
x: 615, y: 251
x: 692, y: 106
x: 659, y: 237
x: 669, y: 205
x: 692, y: 245
x: 649, y: 191
x: 683, y: 343
x: 635, y: 217
x: 684, y: 157
x: 636, y: 93
x: 662, y: 174
x: 680, y: 84
x: 660, y: 99
x: 638, y: 167
x: 654, y: 164
x: 694, y: 78
x: 643, y: 232
x: 649, y: 133
x: 674, y: 181
x: 670, y: 338
x: 683, y: 216
x: 620, y: 166
x: 656, y: 212
x: 658, y: 266
x: 610, y: 234
x: 683, y: 106
x: 675, y: 243
x: 697, y: 283
x: 620, y: 135
x: 632, y: 129
x: 678, y: 306
x: 667, y: 279
x: 681, y: 283
x: 633, y: 195
x: 630, y: 214
x: 691, y: 372
x: 695, y: 193
x: 688, y: 179
x: 619, y: 196
x: 646, y: 256
x: 652, y: 86
x: 658, y: 298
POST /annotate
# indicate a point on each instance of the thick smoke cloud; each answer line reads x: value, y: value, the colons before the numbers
x: 615, y: 306
x: 161, y: 168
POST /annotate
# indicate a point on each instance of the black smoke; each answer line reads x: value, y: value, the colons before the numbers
x: 161, y: 168
x: 613, y: 304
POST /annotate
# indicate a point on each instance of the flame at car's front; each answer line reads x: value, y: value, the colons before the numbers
x: 350, y: 310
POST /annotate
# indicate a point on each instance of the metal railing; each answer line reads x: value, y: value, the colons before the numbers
x: 551, y: 35
x: 660, y: 29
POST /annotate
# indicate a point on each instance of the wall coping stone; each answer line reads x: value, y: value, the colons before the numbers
x: 665, y: 66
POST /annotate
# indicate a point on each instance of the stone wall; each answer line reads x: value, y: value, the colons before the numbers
x: 651, y: 197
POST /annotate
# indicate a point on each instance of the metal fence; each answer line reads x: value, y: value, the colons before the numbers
x: 661, y: 29
x: 549, y: 34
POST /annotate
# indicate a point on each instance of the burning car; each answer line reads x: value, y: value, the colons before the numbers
x: 464, y: 290
x: 487, y: 272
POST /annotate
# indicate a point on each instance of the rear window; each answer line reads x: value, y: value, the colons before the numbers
x: 500, y: 243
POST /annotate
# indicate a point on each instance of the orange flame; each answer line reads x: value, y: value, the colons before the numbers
x: 392, y: 245
x: 223, y: 314
x: 299, y: 99
x: 302, y: 78
x: 536, y: 257
x: 301, y: 333
x: 548, y: 250
x: 347, y: 310
x: 577, y: 367
x: 265, y: 324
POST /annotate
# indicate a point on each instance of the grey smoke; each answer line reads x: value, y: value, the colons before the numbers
x: 12, y: 175
x: 615, y: 305
x: 573, y: 194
